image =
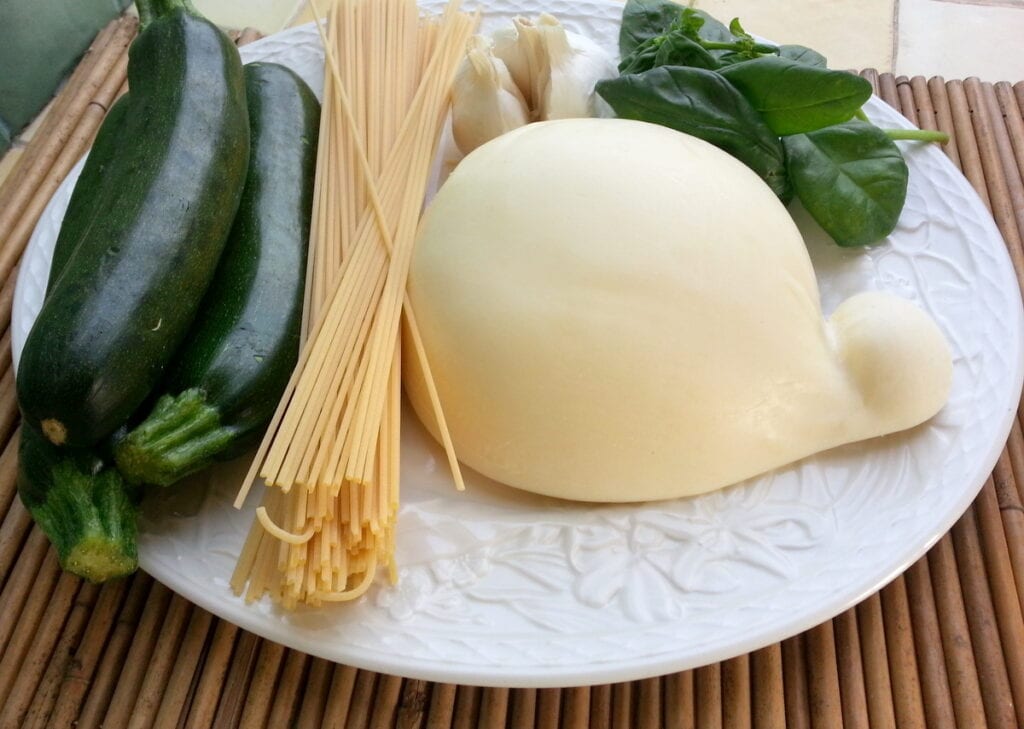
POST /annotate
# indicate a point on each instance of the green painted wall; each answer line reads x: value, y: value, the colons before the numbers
x: 40, y: 43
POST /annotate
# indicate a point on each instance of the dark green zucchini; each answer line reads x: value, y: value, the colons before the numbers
x: 84, y: 509
x: 132, y: 286
x: 226, y: 381
x: 82, y: 207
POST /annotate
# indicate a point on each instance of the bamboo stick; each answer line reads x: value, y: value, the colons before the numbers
x: 1002, y: 147
x: 493, y: 708
x: 938, y: 702
x: 1011, y: 510
x: 736, y: 701
x: 32, y: 646
x: 180, y: 679
x: 70, y: 674
x: 993, y: 679
x: 1016, y: 447
x: 622, y: 707
x: 523, y: 714
x: 939, y: 97
x: 253, y: 702
x: 8, y: 406
x: 13, y: 531
x: 132, y: 673
x: 114, y: 652
x: 342, y: 686
x: 362, y: 695
x: 768, y: 692
x: 994, y: 177
x: 874, y: 654
x: 601, y: 708
x: 576, y: 709
x: 823, y: 677
x: 442, y: 706
x: 1014, y: 122
x: 679, y: 698
x: 22, y: 602
x: 7, y: 297
x: 19, y: 214
x: 548, y: 708
x: 158, y: 665
x: 90, y: 599
x: 648, y: 708
x: 314, y: 695
x: 707, y: 687
x: 238, y: 690
x: 970, y: 157
x: 467, y: 707
x: 851, y: 671
x: 794, y: 672
x: 899, y: 643
x: 1018, y: 91
x: 906, y: 96
x: 872, y: 76
x: 1009, y: 619
x: 8, y: 481
x: 965, y: 690
x: 412, y: 710
x: 75, y: 679
x: 385, y: 703
x: 289, y: 689
x: 211, y: 690
x: 5, y: 355
x: 887, y: 90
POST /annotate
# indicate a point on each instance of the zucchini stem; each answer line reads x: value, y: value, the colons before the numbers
x: 150, y: 10
x: 90, y: 520
x: 182, y: 434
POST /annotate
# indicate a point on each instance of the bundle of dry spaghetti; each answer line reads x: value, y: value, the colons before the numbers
x: 330, y: 457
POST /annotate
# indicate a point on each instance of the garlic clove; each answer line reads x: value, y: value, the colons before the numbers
x: 575, y: 65
x: 522, y: 51
x: 486, y: 102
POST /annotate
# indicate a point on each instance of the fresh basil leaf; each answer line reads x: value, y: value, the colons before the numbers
x: 703, y: 104
x: 851, y: 178
x: 678, y: 50
x: 711, y: 29
x: 672, y: 49
x: 643, y: 20
x: 804, y: 55
x: 737, y: 30
x: 794, y: 98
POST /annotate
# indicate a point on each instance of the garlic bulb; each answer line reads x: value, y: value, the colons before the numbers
x: 486, y: 102
x: 575, y: 65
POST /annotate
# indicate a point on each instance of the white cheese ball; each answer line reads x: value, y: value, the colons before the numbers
x: 614, y: 311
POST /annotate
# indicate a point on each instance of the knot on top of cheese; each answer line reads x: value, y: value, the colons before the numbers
x: 614, y: 311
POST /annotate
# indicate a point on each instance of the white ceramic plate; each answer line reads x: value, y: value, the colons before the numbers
x: 499, y: 587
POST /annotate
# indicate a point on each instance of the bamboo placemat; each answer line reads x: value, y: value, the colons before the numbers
x: 942, y: 646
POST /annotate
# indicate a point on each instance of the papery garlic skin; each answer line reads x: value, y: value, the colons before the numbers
x: 575, y: 65
x: 486, y: 102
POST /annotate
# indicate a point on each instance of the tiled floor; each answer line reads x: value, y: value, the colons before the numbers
x: 952, y: 38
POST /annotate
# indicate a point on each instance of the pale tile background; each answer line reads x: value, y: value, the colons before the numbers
x: 952, y: 38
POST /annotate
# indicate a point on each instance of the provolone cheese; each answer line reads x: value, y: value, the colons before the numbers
x: 614, y: 311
